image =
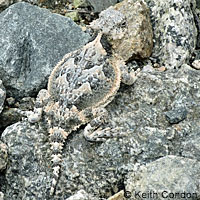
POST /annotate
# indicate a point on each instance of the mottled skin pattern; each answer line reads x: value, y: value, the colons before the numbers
x: 79, y: 88
x: 111, y: 23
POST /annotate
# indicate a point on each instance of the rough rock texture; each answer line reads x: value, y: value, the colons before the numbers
x: 190, y: 146
x: 176, y: 115
x: 128, y: 28
x: 198, y: 3
x: 25, y: 147
x: 3, y: 156
x: 166, y: 178
x: 99, y: 6
x: 9, y: 115
x: 100, y: 168
x: 1, y: 196
x: 2, y: 95
x: 174, y: 31
x: 95, y: 5
x: 80, y: 195
x: 32, y: 41
x: 80, y: 3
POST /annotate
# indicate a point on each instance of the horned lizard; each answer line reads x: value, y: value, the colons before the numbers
x: 80, y: 86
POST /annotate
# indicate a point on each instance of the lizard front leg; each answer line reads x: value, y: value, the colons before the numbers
x: 35, y: 115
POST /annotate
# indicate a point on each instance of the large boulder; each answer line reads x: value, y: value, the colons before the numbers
x: 32, y: 41
x: 170, y: 177
x: 175, y: 33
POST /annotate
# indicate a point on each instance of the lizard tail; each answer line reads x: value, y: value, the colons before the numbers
x: 57, y: 140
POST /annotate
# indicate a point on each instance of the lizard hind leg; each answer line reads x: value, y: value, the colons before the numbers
x: 57, y: 139
x: 94, y: 131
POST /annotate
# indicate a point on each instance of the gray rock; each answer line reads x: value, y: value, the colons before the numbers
x: 3, y: 156
x: 80, y: 195
x: 100, y: 168
x: 26, y: 176
x: 196, y: 54
x: 175, y: 33
x: 6, y: 3
x: 99, y: 6
x: 2, y: 95
x: 190, y: 147
x: 176, y: 115
x: 1, y: 196
x: 32, y: 41
x: 188, y: 142
x: 171, y: 177
x: 198, y: 3
x: 9, y: 116
x: 196, y: 13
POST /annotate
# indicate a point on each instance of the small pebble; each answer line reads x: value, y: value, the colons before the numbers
x: 176, y: 115
x: 156, y: 65
x: 10, y: 101
x: 118, y: 196
x: 161, y: 69
x: 196, y: 64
